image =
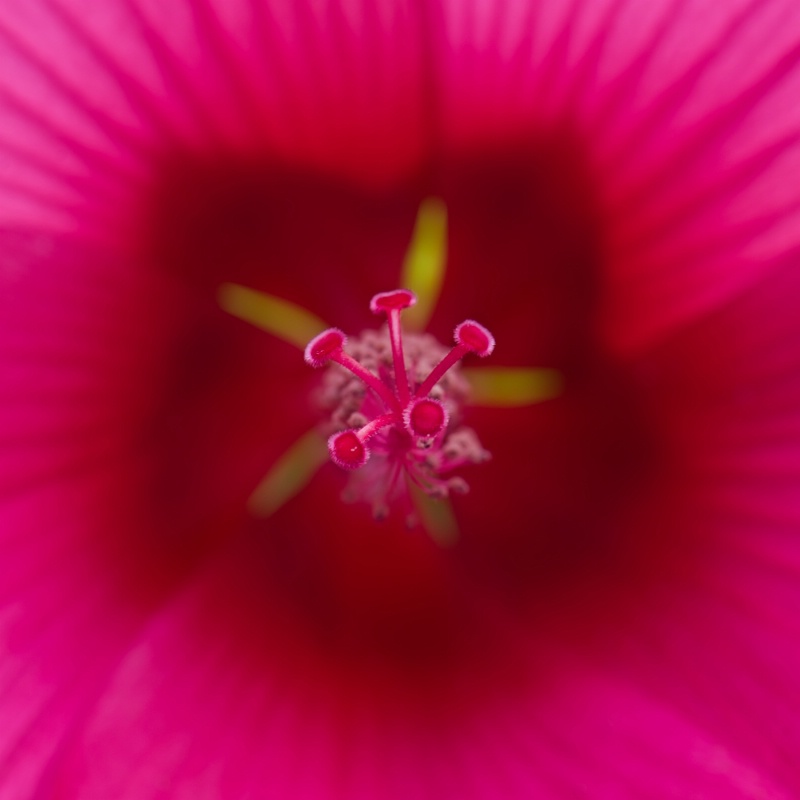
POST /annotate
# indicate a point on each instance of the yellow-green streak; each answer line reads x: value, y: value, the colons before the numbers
x: 279, y: 317
x: 291, y: 473
x: 512, y: 386
x: 436, y: 516
x: 425, y: 262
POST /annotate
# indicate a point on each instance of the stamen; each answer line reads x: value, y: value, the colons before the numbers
x: 470, y: 337
x: 348, y: 448
x: 426, y: 417
x: 391, y: 304
x: 405, y: 434
x: 321, y: 348
x: 474, y: 337
x: 328, y: 346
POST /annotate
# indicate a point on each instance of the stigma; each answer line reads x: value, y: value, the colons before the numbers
x: 394, y: 404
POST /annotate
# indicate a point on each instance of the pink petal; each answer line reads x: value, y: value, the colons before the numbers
x: 223, y: 695
x: 92, y: 99
x: 73, y: 517
x: 717, y: 639
x: 687, y: 121
x: 187, y: 715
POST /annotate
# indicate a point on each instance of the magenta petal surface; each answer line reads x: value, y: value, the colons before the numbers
x: 725, y: 638
x: 687, y: 119
x: 71, y: 470
x: 619, y: 616
x: 187, y: 711
x: 91, y: 97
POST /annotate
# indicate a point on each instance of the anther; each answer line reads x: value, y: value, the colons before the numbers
x: 473, y: 336
x: 404, y: 429
x: 470, y: 337
x: 425, y: 417
x: 349, y: 448
x: 329, y: 346
x: 391, y: 304
x: 384, y: 302
x: 320, y: 350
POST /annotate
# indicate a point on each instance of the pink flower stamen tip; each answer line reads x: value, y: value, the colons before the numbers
x: 426, y: 417
x: 347, y: 450
x: 324, y: 346
x: 384, y: 302
x: 396, y: 402
x: 474, y: 337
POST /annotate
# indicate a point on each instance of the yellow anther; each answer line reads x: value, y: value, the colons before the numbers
x: 425, y: 262
x: 436, y: 516
x: 279, y: 317
x: 512, y: 386
x: 289, y: 475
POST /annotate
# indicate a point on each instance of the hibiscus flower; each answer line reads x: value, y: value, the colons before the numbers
x: 616, y: 616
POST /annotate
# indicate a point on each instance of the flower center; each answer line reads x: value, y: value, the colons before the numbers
x: 394, y: 405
